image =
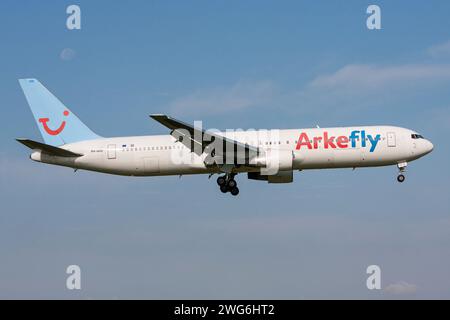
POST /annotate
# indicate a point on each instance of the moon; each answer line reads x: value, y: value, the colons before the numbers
x: 67, y: 54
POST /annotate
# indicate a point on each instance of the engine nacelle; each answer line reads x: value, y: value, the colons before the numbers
x: 280, y: 177
x: 276, y: 167
x: 274, y: 161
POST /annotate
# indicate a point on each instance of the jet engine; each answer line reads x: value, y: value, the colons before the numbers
x: 280, y: 177
x: 276, y: 167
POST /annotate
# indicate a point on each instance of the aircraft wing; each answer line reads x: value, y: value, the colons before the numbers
x: 201, y: 141
x: 54, y: 151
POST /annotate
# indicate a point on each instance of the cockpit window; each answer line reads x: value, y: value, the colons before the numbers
x: 417, y: 136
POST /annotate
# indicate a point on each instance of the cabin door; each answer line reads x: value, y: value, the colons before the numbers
x: 111, y: 151
x: 391, y: 139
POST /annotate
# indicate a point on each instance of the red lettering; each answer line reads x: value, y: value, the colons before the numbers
x: 303, y: 141
x: 342, y: 142
x: 316, y: 142
x: 328, y: 142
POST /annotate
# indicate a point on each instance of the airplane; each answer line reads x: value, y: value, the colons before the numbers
x: 264, y: 155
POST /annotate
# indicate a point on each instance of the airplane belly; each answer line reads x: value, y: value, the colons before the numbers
x: 165, y: 164
x: 150, y: 165
x: 349, y: 157
x: 314, y: 159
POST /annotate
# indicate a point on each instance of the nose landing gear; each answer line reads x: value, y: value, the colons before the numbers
x: 228, y: 184
x: 402, y: 168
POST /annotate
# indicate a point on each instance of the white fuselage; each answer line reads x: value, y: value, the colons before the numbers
x: 311, y: 148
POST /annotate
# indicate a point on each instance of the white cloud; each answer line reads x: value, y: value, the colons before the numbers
x: 440, y: 50
x: 401, y: 288
x: 242, y: 95
x: 373, y: 77
x: 355, y: 86
x: 358, y: 87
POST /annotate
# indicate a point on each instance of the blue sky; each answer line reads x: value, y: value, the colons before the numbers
x: 232, y: 64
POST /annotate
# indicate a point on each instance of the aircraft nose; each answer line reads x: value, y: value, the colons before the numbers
x: 428, y: 146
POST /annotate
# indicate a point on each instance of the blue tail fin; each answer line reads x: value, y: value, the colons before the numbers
x: 58, y: 125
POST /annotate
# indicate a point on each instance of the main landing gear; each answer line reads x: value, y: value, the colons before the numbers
x: 228, y: 184
x: 402, y: 168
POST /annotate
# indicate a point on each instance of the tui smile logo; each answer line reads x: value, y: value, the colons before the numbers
x: 56, y: 132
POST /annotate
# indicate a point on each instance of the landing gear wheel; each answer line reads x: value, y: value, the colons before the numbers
x: 232, y: 184
x: 401, y: 178
x: 221, y: 181
x: 235, y: 191
x: 228, y: 184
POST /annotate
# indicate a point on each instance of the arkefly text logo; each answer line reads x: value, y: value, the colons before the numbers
x: 55, y: 132
x: 357, y: 139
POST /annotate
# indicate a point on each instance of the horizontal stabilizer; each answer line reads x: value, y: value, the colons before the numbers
x: 54, y: 151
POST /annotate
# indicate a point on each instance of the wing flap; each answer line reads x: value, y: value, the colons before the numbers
x: 198, y: 140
